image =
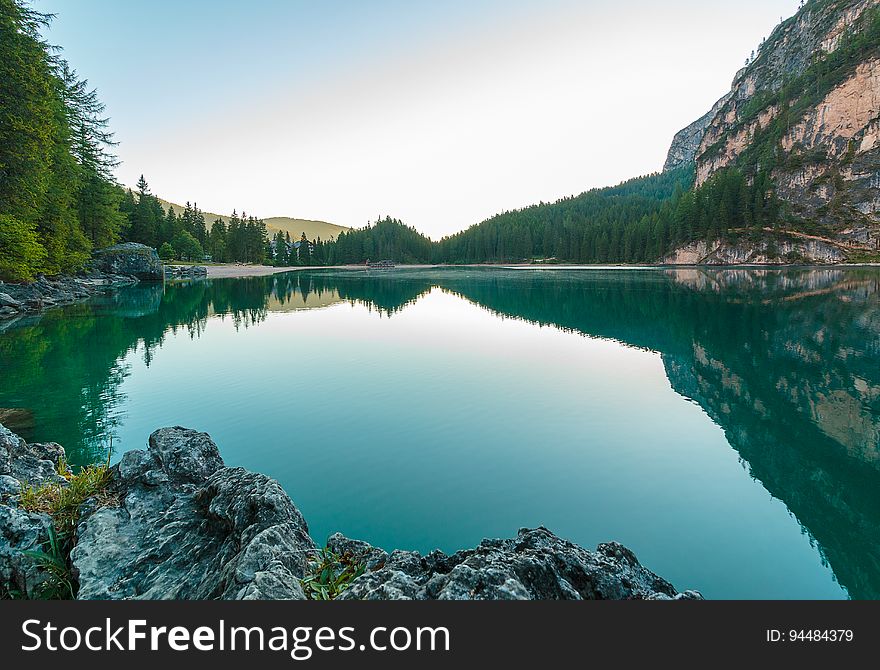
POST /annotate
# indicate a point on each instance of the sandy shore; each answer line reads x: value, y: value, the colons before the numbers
x: 221, y: 271
x: 232, y: 270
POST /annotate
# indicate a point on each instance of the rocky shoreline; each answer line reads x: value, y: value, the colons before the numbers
x: 113, y: 267
x: 45, y: 293
x: 176, y: 523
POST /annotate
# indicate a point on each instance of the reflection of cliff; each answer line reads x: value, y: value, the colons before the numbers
x: 788, y: 364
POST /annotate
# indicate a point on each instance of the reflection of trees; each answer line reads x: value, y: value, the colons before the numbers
x: 787, y: 363
x: 66, y: 366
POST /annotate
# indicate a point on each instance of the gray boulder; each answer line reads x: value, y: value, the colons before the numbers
x: 129, y: 258
x: 21, y: 531
x: 8, y: 302
x: 187, y: 527
x: 35, y: 464
x: 536, y: 565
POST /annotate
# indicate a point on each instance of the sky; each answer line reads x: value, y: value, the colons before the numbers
x: 440, y: 114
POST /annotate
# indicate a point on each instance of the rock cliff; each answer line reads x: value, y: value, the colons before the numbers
x: 806, y: 110
x: 182, y: 525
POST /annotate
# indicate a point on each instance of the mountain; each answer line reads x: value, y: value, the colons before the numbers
x: 806, y: 113
x: 296, y: 227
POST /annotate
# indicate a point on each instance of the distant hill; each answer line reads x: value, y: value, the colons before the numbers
x: 295, y: 227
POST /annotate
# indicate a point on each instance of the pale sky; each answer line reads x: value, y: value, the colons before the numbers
x: 438, y: 113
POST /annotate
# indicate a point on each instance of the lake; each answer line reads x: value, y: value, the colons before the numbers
x: 724, y: 424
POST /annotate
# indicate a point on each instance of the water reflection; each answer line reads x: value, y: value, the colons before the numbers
x: 787, y: 363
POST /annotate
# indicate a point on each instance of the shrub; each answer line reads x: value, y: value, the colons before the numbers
x: 330, y: 574
x: 21, y: 254
x: 188, y: 247
x: 166, y: 252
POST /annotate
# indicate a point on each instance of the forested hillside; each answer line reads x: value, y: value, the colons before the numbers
x: 58, y: 196
x: 791, y: 151
x: 637, y: 221
x: 631, y: 222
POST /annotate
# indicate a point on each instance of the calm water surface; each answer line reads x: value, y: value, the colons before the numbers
x: 723, y: 424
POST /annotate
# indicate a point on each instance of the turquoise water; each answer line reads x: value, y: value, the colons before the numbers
x: 722, y: 424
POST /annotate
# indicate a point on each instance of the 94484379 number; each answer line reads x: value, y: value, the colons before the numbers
x: 814, y: 635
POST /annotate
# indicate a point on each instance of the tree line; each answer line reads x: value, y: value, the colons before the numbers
x: 187, y: 236
x: 57, y: 196
x: 638, y: 221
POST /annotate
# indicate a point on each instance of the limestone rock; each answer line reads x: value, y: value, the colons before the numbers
x: 35, y: 464
x: 188, y: 527
x: 130, y: 258
x: 536, y: 565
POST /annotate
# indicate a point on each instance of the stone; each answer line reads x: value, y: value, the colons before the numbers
x: 536, y: 565
x: 187, y: 527
x: 35, y: 464
x: 20, y: 531
x: 129, y: 258
x: 7, y: 300
x: 686, y: 142
x: 828, y: 167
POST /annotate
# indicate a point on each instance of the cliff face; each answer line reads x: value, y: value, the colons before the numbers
x: 686, y: 142
x: 807, y: 111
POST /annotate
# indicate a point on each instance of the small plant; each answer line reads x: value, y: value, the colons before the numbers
x: 62, y: 501
x: 60, y: 584
x: 330, y: 574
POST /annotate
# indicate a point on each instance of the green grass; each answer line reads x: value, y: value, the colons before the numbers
x: 330, y: 574
x: 62, y: 502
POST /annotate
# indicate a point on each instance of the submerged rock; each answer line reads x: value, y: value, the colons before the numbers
x: 535, y: 565
x: 188, y: 527
x: 130, y: 258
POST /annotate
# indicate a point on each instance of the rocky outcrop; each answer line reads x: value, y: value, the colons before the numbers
x: 130, y: 258
x: 185, y: 271
x: 536, y: 565
x: 22, y: 531
x: 185, y: 526
x: 763, y: 252
x: 808, y: 108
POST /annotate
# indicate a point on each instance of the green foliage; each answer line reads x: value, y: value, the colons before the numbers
x: 187, y: 246
x: 21, y: 254
x: 631, y: 222
x: 54, y: 560
x: 387, y: 239
x: 166, y: 252
x: 54, y: 149
x: 62, y: 503
x: 330, y: 574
